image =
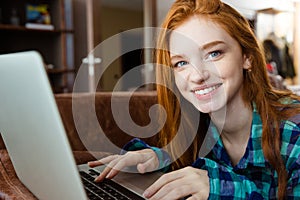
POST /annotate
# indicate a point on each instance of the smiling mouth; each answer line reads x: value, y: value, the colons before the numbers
x: 206, y: 90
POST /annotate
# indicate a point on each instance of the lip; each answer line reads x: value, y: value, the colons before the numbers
x: 206, y: 91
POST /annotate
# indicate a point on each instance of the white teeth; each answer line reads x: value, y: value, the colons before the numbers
x: 205, y: 91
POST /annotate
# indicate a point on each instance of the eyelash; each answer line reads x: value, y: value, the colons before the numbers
x: 176, y: 65
x: 218, y: 52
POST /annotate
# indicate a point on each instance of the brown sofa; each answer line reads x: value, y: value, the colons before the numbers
x: 86, y: 136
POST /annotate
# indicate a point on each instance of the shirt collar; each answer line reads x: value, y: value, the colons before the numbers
x: 254, y: 153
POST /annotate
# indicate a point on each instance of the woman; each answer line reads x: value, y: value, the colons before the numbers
x: 218, y: 66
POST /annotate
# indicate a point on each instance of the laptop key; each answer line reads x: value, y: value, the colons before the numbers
x: 107, y: 189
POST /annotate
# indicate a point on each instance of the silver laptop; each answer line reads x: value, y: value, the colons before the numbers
x: 35, y: 138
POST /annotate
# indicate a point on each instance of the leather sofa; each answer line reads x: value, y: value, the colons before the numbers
x: 79, y: 113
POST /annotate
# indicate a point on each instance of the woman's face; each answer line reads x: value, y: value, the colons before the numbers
x: 208, y: 64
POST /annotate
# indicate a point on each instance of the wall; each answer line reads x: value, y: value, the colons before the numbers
x: 85, y: 38
x: 162, y: 8
x: 80, y: 39
x: 114, y: 21
x: 106, y: 22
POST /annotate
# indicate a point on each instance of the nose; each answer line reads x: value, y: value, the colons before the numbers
x: 197, y: 74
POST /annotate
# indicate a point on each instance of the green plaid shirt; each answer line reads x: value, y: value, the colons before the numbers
x: 252, y: 177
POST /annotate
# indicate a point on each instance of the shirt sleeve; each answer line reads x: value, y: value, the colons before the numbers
x: 226, y: 184
x: 293, y: 187
x: 292, y: 152
x: 137, y: 144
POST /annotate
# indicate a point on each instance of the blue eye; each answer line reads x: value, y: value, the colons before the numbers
x: 214, y: 54
x: 180, y: 64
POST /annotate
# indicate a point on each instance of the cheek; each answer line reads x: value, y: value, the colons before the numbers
x: 233, y: 79
x: 230, y: 70
x: 180, y: 80
x: 180, y: 84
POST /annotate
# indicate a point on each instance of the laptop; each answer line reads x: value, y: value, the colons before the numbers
x: 37, y: 143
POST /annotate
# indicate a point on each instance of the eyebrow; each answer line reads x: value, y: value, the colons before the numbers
x: 211, y: 44
x: 204, y: 47
x: 176, y: 56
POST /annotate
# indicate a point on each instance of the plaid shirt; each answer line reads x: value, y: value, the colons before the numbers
x: 252, y: 177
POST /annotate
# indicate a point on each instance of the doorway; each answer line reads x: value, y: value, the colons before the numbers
x: 131, y: 62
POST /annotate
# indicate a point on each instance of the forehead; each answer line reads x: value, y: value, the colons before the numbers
x: 197, y: 31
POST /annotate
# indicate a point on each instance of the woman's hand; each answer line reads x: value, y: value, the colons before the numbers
x: 145, y: 160
x: 188, y: 182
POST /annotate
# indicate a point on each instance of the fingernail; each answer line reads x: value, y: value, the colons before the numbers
x: 108, y: 175
x: 146, y: 194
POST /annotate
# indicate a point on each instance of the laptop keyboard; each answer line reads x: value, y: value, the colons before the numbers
x: 105, y: 190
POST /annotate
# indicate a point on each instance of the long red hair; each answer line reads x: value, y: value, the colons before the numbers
x: 256, y: 85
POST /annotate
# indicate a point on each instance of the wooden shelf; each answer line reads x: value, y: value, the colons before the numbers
x: 9, y: 27
x: 56, y: 46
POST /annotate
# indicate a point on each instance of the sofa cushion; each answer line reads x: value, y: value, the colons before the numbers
x: 10, y: 185
x: 84, y: 133
x: 92, y: 126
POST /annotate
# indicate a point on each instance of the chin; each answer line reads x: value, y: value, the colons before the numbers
x: 209, y: 107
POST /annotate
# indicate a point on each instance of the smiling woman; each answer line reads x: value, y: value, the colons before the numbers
x: 210, y: 74
x: 244, y: 143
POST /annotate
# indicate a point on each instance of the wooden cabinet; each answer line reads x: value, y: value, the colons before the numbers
x: 56, y: 46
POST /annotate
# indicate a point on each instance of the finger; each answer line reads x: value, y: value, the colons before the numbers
x: 102, y: 161
x: 103, y: 174
x: 147, y: 166
x: 114, y: 167
x: 124, y: 161
x: 163, y: 180
x: 130, y: 159
x: 94, y: 163
x: 113, y: 160
x: 181, y: 192
x: 133, y: 159
x: 173, y: 190
x: 142, y: 167
x: 115, y: 164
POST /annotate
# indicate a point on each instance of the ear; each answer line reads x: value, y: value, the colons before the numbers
x: 247, y: 62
